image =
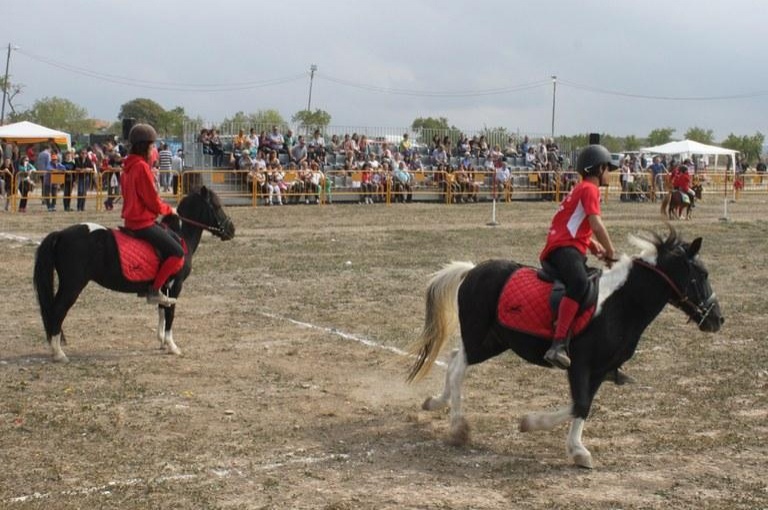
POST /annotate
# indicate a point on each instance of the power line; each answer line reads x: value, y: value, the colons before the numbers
x: 598, y: 90
x: 160, y: 85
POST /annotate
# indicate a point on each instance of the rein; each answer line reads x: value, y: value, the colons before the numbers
x: 209, y: 228
x: 702, y: 309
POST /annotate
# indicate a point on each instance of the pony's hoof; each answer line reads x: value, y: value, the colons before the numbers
x: 432, y: 404
x: 526, y: 424
x: 62, y: 358
x: 583, y: 460
x: 459, y: 435
x: 173, y: 350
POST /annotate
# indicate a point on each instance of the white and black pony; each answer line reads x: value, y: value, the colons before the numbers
x: 631, y: 295
x: 88, y: 252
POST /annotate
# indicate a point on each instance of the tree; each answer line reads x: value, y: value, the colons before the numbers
x: 171, y: 123
x: 319, y: 119
x: 429, y: 127
x: 632, y: 143
x: 749, y: 146
x: 58, y: 113
x: 495, y: 136
x: 660, y: 136
x: 701, y: 135
x: 11, y: 91
x: 143, y: 110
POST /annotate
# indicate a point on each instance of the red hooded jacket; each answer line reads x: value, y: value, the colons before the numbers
x: 141, y: 203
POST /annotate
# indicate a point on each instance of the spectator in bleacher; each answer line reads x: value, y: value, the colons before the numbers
x: 440, y: 157
x: 463, y: 146
x: 177, y: 167
x: 525, y: 145
x: 496, y: 157
x: 530, y: 157
x: 502, y: 177
x: 275, y: 140
x: 298, y: 152
x: 253, y: 137
x: 351, y: 148
x: 260, y: 160
x: 337, y: 146
x: 474, y: 146
x: 386, y: 153
x: 511, y: 148
x: 288, y: 141
x: 405, y: 148
x: 553, y: 153
x: 366, y: 186
x: 245, y: 162
x: 217, y: 149
x: 275, y: 176
x: 238, y: 142
x: 403, y: 181
x: 541, y: 153
x: 316, y: 180
x: 316, y: 148
x: 364, y: 147
x: 484, y: 149
x: 378, y: 183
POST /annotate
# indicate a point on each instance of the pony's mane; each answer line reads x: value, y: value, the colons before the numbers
x: 650, y: 246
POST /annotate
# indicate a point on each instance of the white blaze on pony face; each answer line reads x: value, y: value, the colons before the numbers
x: 614, y: 278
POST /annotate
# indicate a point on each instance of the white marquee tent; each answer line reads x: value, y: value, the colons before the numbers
x: 28, y: 132
x: 689, y: 148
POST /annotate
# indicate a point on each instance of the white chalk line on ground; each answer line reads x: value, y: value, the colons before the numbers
x: 342, y: 334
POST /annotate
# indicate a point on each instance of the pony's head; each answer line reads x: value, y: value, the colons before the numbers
x: 202, y: 207
x: 677, y: 262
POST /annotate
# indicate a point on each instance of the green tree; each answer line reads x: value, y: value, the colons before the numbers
x: 171, y: 122
x: 701, y: 135
x: 269, y: 118
x: 430, y: 126
x: 749, y: 146
x: 309, y: 121
x: 61, y: 114
x: 632, y: 143
x: 495, y: 136
x: 143, y: 110
x: 660, y: 136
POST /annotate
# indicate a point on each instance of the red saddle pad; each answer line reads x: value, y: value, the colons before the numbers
x: 524, y: 306
x: 138, y: 258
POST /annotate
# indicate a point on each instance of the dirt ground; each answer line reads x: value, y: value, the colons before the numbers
x: 290, y: 391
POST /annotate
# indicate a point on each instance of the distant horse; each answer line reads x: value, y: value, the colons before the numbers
x: 89, y: 252
x: 676, y: 206
x: 631, y: 295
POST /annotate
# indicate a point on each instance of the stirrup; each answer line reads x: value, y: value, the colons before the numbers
x: 157, y: 297
x: 557, y: 356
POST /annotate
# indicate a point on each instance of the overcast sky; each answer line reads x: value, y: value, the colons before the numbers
x: 623, y: 67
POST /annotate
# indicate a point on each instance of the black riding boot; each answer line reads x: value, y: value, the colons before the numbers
x: 557, y: 355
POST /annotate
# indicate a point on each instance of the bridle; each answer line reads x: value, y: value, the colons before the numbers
x: 217, y: 230
x: 680, y: 300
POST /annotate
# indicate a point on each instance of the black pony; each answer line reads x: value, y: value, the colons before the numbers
x: 88, y: 252
x: 631, y: 295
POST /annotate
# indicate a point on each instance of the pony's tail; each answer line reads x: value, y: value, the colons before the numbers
x: 441, y: 316
x: 43, y: 279
x: 666, y: 199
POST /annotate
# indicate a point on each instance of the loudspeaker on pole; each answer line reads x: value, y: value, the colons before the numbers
x: 128, y: 123
x: 594, y: 138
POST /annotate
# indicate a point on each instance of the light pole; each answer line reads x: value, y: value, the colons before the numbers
x: 554, y: 95
x: 312, y: 70
x: 5, y: 82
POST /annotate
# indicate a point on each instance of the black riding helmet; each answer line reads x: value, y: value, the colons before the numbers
x: 591, y: 158
x: 142, y: 133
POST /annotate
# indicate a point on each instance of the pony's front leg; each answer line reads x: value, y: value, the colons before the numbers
x: 56, y: 352
x: 575, y: 449
x: 437, y: 403
x: 165, y: 329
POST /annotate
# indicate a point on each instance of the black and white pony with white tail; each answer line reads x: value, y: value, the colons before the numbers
x: 88, y: 252
x: 631, y: 295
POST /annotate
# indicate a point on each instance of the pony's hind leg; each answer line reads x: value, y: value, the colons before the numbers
x: 454, y: 377
x: 164, y: 332
x: 545, y: 421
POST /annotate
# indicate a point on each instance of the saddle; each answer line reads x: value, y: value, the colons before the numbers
x: 139, y: 260
x: 531, y: 297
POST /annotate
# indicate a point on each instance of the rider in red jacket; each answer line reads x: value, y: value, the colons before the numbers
x: 682, y: 182
x: 141, y: 207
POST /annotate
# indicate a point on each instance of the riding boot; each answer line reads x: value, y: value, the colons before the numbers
x: 557, y: 355
x: 169, y: 267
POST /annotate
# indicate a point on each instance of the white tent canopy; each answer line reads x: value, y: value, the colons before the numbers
x: 29, y: 132
x: 689, y: 147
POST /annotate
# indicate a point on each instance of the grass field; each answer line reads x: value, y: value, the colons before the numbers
x: 290, y: 391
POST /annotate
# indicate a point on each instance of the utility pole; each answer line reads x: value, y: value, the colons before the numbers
x: 312, y: 70
x: 554, y: 95
x: 5, y: 82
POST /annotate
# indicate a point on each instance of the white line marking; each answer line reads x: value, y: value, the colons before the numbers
x: 346, y: 336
